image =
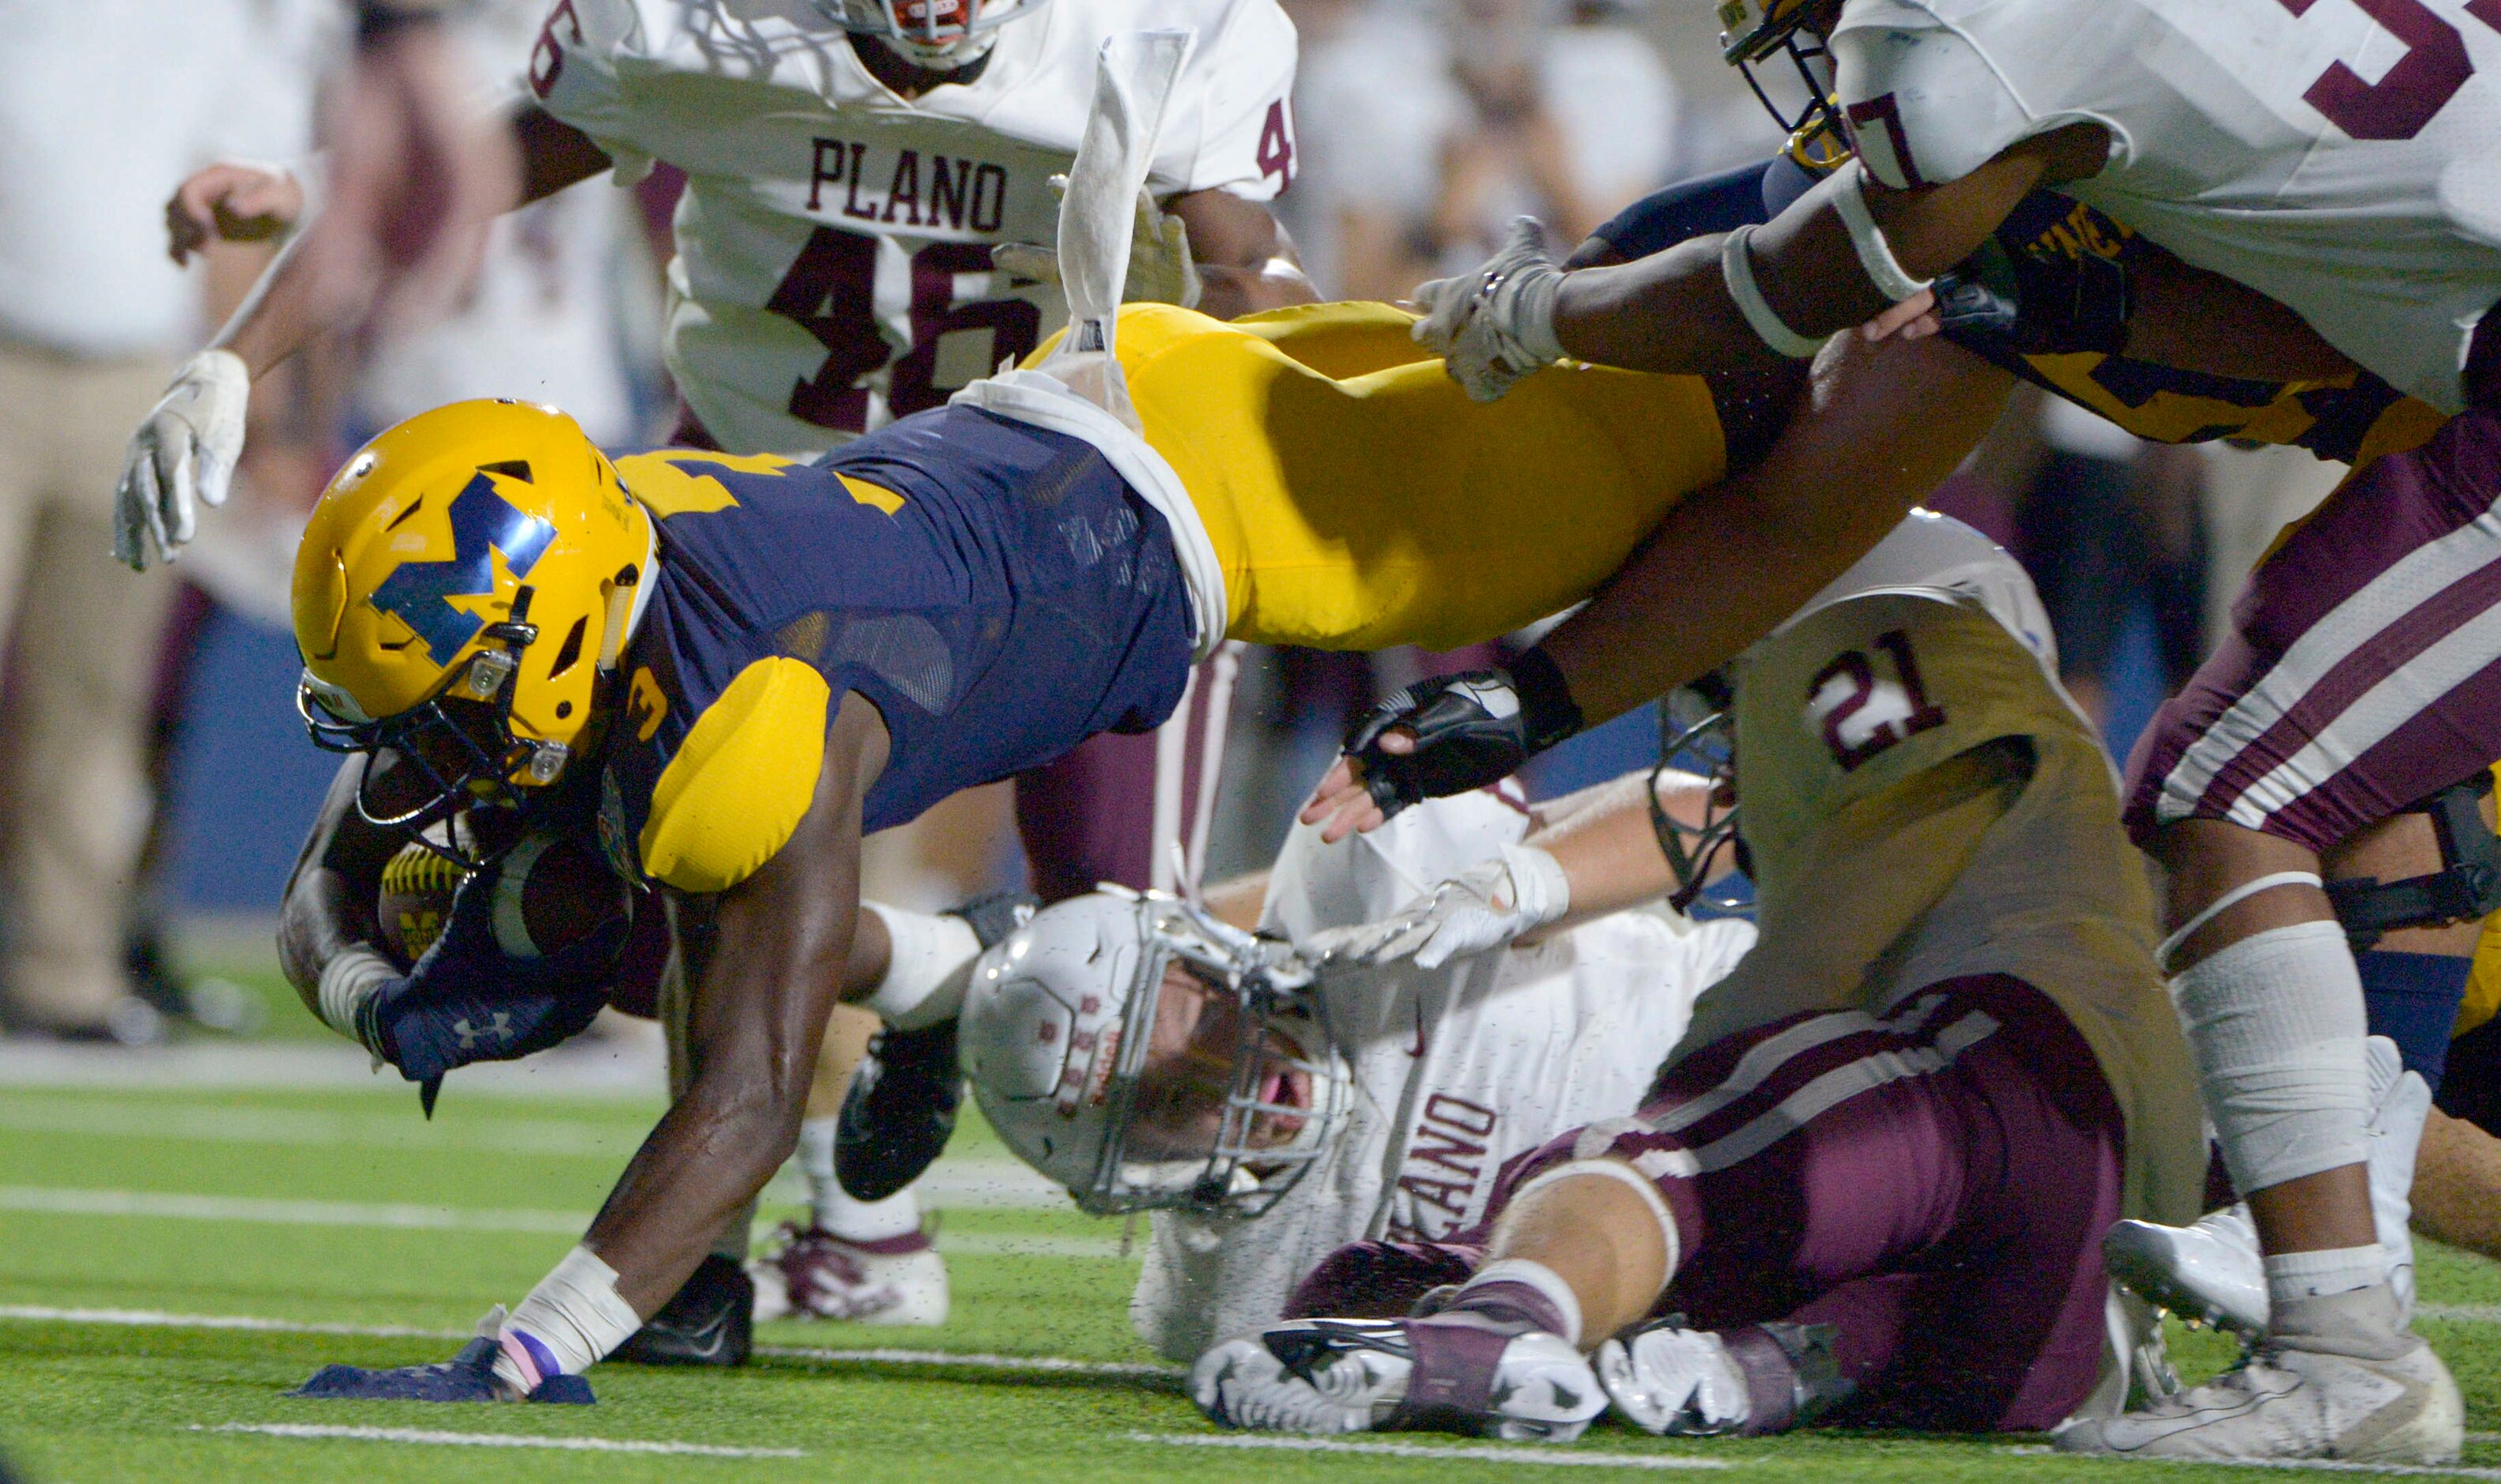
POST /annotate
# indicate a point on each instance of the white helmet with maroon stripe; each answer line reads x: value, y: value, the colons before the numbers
x: 940, y: 35
x: 1138, y: 1092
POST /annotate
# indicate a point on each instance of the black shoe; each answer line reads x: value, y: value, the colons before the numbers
x: 900, y: 1110
x: 709, y: 1322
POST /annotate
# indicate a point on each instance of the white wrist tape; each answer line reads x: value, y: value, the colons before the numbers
x: 572, y: 1319
x: 2275, y: 1023
x: 351, y: 977
x: 1541, y: 891
x: 1738, y: 270
x: 1874, y: 254
x: 928, y: 967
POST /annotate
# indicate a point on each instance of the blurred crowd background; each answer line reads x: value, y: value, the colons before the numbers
x: 1422, y: 127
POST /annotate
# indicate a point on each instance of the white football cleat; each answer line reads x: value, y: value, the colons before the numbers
x: 1359, y: 1375
x: 901, y: 1280
x: 2212, y: 1271
x: 1673, y: 1381
x: 2285, y: 1404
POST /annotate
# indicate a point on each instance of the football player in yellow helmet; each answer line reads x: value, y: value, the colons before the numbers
x: 720, y: 671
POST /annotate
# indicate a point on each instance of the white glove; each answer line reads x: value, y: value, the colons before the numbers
x: 1495, y: 325
x: 1162, y: 269
x: 182, y: 457
x: 1675, y: 1382
x: 1486, y: 907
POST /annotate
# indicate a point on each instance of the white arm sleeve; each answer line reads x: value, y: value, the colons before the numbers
x: 1924, y: 106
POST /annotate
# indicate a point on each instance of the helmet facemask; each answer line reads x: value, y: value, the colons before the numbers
x: 456, y: 748
x: 1697, y: 735
x: 1754, y: 32
x: 940, y: 36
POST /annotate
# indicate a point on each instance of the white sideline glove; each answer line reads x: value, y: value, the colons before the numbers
x: 1485, y: 907
x: 1674, y: 1382
x: 181, y: 457
x: 1162, y: 269
x: 1495, y: 325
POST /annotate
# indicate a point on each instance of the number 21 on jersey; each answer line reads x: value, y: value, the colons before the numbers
x: 1863, y: 703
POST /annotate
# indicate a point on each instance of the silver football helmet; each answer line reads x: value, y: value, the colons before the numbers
x: 1059, y: 1038
x: 940, y: 35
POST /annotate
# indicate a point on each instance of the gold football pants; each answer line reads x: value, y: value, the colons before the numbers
x: 1357, y: 499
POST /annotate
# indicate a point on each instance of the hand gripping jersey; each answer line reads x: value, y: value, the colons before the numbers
x: 2345, y: 159
x: 833, y: 266
x: 1457, y: 1070
x: 1878, y: 737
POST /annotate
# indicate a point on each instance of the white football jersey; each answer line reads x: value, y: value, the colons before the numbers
x: 833, y: 266
x: 2342, y: 156
x: 1457, y: 1070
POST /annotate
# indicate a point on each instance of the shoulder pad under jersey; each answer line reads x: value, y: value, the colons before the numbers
x: 1924, y: 105
x: 741, y: 781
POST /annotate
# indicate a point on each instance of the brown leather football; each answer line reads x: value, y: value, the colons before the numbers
x: 551, y: 892
x: 415, y: 901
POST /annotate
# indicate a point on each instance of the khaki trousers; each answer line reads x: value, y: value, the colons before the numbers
x: 81, y: 645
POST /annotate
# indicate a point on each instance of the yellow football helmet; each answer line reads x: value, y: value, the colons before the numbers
x: 460, y: 594
x: 1752, y: 31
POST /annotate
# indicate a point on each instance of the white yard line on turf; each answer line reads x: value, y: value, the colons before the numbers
x: 956, y: 1184
x: 632, y: 1066
x: 2460, y: 1313
x: 493, y: 1439
x: 1554, y: 1457
x: 35, y: 1313
x: 72, y: 1200
x: 2300, y: 1464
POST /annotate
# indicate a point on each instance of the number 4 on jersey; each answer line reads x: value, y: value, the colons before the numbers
x: 1861, y: 710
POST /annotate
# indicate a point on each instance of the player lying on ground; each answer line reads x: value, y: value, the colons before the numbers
x: 2276, y: 166
x: 1871, y: 1185
x: 1281, y: 1106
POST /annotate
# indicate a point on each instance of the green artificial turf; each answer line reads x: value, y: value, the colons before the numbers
x: 83, y: 1401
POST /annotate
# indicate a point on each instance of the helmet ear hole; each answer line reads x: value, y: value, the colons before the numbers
x: 569, y: 653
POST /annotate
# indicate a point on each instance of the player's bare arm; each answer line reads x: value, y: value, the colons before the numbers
x: 287, y: 310
x: 1899, y: 417
x: 775, y: 948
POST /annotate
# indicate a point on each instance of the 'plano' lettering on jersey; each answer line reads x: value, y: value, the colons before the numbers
x: 931, y: 190
x: 1452, y: 1136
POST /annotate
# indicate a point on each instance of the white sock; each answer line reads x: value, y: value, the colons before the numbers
x: 897, y: 1215
x: 2292, y: 1277
x: 1534, y: 1276
x: 928, y: 969
x: 817, y: 1159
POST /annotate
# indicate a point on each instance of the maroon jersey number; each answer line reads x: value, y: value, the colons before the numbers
x: 1856, y: 670
x: 547, y: 58
x: 2411, y: 92
x: 831, y: 290
x: 1277, y: 144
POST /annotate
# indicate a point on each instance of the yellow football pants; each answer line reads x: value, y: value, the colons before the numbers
x: 1357, y: 499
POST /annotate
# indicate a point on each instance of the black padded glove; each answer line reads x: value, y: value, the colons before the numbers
x: 2037, y: 305
x: 1471, y: 729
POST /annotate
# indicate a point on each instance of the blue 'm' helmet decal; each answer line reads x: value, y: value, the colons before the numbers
x: 482, y: 522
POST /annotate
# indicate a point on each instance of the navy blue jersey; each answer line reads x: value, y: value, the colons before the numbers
x: 994, y: 589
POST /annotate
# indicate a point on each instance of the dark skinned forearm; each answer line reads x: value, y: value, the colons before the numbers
x: 779, y: 946
x: 1881, y: 427
x: 288, y: 308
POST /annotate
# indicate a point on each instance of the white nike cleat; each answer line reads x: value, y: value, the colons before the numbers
x: 1675, y: 1382
x: 2209, y: 1270
x: 2212, y: 1271
x: 1359, y: 1375
x: 2283, y: 1403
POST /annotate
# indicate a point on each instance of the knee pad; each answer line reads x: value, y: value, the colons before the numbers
x: 2275, y: 1025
